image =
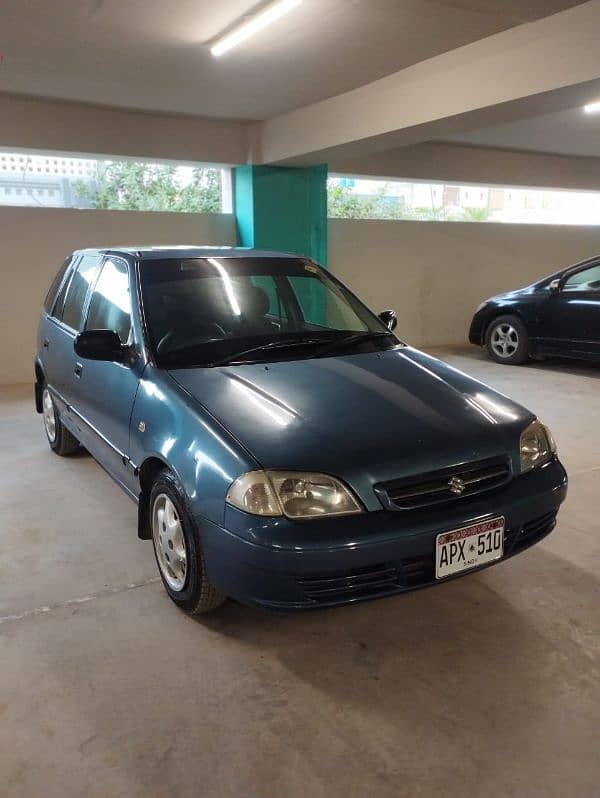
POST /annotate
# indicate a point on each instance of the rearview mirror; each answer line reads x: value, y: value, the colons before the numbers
x: 100, y: 345
x: 555, y: 286
x: 389, y: 318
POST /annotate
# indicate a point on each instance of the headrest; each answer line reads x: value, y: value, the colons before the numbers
x: 254, y: 301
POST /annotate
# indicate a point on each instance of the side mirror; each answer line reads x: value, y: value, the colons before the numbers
x: 100, y: 345
x: 555, y: 286
x: 389, y: 318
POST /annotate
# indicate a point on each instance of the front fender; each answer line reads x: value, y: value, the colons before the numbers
x: 169, y: 425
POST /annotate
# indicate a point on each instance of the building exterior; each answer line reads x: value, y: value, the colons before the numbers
x: 45, y: 181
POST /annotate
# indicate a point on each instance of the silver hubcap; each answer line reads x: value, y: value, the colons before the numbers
x: 49, y: 415
x: 169, y: 542
x: 505, y: 340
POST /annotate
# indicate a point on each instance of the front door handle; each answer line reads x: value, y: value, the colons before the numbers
x: 45, y: 343
x: 78, y: 369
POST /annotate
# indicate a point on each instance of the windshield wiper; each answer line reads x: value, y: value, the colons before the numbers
x: 354, y: 338
x: 268, y: 347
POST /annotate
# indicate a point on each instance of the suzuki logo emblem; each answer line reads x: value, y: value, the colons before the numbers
x: 456, y: 485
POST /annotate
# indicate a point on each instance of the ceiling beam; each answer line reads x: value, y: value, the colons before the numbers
x: 38, y: 124
x: 524, y: 70
x: 461, y: 163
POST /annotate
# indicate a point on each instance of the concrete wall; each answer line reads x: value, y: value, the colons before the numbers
x: 434, y: 274
x: 35, y: 241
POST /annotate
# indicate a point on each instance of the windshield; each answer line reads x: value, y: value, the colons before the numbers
x: 203, y: 311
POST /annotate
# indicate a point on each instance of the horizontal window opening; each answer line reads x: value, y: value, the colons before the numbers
x: 368, y: 198
x: 54, y: 180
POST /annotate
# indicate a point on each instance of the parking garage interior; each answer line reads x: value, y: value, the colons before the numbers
x: 430, y: 155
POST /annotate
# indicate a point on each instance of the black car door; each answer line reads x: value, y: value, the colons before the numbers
x: 570, y: 319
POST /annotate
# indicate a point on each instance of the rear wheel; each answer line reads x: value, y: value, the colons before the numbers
x: 507, y: 341
x: 60, y: 439
x: 178, y: 549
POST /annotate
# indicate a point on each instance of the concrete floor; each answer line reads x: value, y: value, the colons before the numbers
x: 486, y: 686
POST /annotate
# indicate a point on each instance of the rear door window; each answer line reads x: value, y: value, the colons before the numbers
x: 83, y: 277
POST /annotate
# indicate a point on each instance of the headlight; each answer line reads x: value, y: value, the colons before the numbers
x: 291, y: 493
x: 537, y: 446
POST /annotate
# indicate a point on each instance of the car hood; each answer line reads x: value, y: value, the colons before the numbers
x: 517, y: 294
x: 372, y: 417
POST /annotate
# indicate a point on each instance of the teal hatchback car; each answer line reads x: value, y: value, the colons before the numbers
x: 283, y: 446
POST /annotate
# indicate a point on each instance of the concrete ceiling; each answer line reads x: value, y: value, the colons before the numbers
x: 154, y: 55
x: 569, y: 132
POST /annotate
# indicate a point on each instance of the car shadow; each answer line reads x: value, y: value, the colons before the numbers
x: 477, y: 687
x: 413, y: 658
x: 580, y: 368
x: 563, y: 365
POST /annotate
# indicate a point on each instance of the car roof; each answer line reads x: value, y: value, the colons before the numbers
x: 187, y: 251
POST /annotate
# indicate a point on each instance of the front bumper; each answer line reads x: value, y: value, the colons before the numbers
x: 283, y: 564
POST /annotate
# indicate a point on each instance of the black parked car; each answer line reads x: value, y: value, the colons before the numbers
x: 560, y: 315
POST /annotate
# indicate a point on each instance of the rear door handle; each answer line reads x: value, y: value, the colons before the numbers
x: 78, y: 369
x: 46, y: 343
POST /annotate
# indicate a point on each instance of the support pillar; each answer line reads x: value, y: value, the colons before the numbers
x: 282, y: 208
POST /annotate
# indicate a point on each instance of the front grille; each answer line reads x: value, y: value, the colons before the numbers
x: 349, y: 585
x: 442, y: 486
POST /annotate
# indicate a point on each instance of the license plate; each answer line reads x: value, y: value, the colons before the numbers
x: 468, y: 547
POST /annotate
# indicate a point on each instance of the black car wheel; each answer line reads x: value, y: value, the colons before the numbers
x: 178, y: 549
x: 60, y: 439
x: 507, y: 341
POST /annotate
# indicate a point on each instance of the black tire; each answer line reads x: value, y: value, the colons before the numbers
x: 198, y: 595
x: 506, y: 340
x: 61, y: 441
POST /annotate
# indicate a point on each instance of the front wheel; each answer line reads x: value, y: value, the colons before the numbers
x: 507, y: 341
x: 178, y: 549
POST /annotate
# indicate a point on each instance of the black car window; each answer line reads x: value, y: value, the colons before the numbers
x: 585, y: 280
x: 51, y: 295
x: 201, y: 310
x: 83, y: 277
x: 324, y: 305
x: 110, y: 305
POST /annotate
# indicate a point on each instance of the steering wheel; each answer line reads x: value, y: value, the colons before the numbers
x: 174, y: 338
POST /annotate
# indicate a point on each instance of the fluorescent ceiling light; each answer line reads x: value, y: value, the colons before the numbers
x: 253, y: 25
x: 592, y: 108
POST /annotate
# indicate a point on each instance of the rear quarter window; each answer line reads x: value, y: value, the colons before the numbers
x: 53, y: 290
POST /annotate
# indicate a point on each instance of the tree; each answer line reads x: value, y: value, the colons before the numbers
x: 343, y: 203
x: 475, y: 215
x: 125, y: 185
